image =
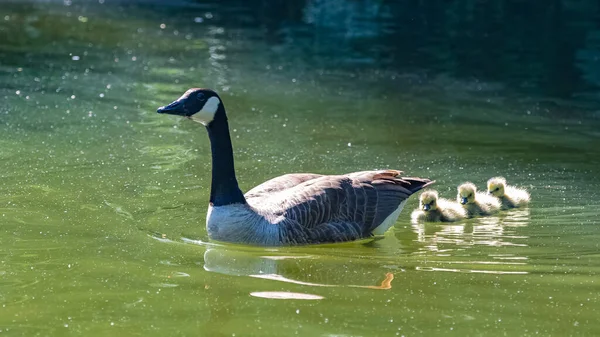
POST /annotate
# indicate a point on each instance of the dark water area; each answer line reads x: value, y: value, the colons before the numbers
x: 103, y: 202
x: 546, y: 48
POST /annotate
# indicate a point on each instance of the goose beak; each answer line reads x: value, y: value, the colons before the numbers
x: 464, y: 201
x: 175, y: 108
x: 426, y: 207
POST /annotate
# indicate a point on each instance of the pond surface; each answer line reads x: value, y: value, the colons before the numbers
x: 103, y: 201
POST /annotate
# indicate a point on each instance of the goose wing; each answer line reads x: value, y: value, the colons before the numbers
x: 279, y: 184
x: 340, y: 208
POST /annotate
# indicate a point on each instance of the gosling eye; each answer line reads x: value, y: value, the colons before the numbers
x: 497, y: 189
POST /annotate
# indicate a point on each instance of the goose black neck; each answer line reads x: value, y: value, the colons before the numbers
x: 224, y: 187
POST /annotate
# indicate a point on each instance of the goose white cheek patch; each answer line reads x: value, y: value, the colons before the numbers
x: 207, y: 113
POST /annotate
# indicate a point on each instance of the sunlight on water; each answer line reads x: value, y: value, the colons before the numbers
x: 103, y: 202
x: 281, y: 295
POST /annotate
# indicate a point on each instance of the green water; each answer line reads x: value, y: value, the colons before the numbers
x: 103, y: 201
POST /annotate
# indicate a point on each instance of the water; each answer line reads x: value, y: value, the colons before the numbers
x: 103, y: 202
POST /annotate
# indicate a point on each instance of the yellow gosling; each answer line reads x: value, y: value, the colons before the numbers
x: 476, y: 203
x: 435, y: 209
x: 510, y: 196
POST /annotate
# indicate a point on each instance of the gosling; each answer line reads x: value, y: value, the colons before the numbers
x: 477, y: 203
x: 510, y: 196
x: 435, y: 209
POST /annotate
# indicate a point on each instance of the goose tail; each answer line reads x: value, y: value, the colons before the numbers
x: 417, y: 184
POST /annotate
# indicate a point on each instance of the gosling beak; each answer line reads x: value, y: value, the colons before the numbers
x: 176, y: 108
x: 426, y: 207
x: 464, y: 201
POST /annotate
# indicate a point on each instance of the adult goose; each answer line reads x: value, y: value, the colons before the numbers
x: 293, y: 209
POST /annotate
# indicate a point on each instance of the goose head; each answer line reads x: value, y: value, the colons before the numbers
x: 496, y: 186
x: 428, y: 201
x: 200, y: 105
x: 466, y: 193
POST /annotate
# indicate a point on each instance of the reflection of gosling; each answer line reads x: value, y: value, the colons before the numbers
x: 434, y: 209
x: 476, y: 203
x: 510, y: 196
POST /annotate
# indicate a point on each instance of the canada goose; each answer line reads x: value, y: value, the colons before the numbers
x: 510, y: 196
x: 293, y: 209
x: 434, y: 209
x: 476, y: 203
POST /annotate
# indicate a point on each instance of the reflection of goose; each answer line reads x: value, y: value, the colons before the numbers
x: 510, y: 196
x: 287, y: 268
x: 295, y: 208
x: 498, y: 230
x: 517, y: 217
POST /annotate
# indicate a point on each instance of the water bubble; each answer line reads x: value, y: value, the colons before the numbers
x: 75, y: 58
x: 196, y: 19
x: 163, y: 26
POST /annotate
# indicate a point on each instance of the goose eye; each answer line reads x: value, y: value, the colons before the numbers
x: 200, y: 97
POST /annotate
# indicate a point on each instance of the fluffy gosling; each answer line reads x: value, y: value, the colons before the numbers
x: 510, y: 196
x: 435, y: 209
x: 477, y: 203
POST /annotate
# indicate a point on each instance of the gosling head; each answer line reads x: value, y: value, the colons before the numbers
x: 496, y: 186
x: 466, y: 193
x: 428, y: 201
x: 200, y: 105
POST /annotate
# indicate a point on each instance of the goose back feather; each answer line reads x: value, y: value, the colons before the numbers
x: 310, y: 208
